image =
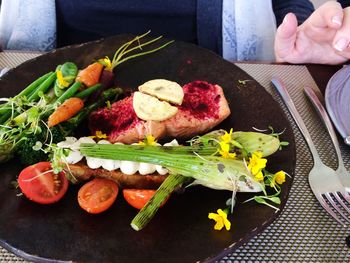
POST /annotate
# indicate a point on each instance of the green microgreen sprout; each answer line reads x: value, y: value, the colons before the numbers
x: 108, y: 104
x: 243, y: 82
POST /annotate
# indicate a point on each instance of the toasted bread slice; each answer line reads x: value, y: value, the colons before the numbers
x: 164, y: 90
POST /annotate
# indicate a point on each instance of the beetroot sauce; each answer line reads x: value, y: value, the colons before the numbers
x: 201, y: 99
x: 113, y: 121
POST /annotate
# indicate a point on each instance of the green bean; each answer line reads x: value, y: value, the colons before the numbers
x: 87, y: 92
x: 4, y: 117
x: 43, y: 87
x: 4, y: 108
x: 69, y: 92
x: 28, y: 90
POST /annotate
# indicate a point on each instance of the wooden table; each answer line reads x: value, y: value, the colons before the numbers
x: 322, y: 74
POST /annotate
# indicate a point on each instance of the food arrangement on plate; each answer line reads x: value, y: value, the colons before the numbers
x: 53, y: 106
x: 74, y: 128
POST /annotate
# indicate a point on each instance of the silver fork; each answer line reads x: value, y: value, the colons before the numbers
x: 323, y: 180
x: 342, y: 173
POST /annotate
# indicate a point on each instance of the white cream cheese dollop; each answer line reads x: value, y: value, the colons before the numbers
x: 74, y: 155
x: 126, y: 167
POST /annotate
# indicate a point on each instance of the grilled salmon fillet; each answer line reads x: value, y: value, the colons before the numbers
x: 204, y: 106
x: 121, y: 124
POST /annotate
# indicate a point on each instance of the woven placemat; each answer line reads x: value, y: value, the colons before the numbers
x: 11, y: 59
x: 303, y: 232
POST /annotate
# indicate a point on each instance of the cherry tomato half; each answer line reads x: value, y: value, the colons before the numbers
x: 137, y: 198
x: 42, y: 186
x: 97, y: 195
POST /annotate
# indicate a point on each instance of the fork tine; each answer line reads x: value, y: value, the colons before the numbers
x: 328, y: 209
x: 341, y: 201
x: 346, y: 196
x: 330, y: 199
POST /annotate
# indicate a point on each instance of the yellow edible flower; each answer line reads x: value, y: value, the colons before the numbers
x: 220, y: 219
x: 149, y: 140
x: 99, y: 135
x: 61, y: 79
x: 259, y: 176
x: 256, y: 164
x: 106, y: 62
x: 227, y: 137
x: 225, y: 151
x: 279, y: 178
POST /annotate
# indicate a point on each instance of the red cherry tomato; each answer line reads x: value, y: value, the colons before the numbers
x: 137, y: 198
x: 97, y: 195
x: 42, y: 186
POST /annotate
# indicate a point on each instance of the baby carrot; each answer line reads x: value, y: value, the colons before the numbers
x: 65, y: 111
x: 90, y: 75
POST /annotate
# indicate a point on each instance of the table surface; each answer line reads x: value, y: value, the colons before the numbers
x: 303, y: 232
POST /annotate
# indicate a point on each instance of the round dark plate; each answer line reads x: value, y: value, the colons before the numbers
x: 337, y: 97
x: 181, y: 231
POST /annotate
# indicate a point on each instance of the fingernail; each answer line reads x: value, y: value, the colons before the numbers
x: 341, y: 44
x: 336, y: 20
x: 285, y: 19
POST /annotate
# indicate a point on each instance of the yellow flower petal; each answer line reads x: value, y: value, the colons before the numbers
x: 227, y: 137
x: 213, y: 216
x: 219, y: 225
x: 227, y: 155
x: 259, y: 176
x: 61, y: 79
x: 256, y: 164
x: 106, y: 62
x: 220, y: 219
x: 149, y: 140
x: 224, y: 146
x: 225, y: 151
x: 280, y: 177
x: 99, y: 135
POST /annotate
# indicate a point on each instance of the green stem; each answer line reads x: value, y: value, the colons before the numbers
x: 210, y: 171
x: 124, y: 46
x: 141, y: 45
x: 69, y: 92
x: 143, y: 53
x: 87, y: 92
x: 124, y: 49
x: 144, y: 153
x: 170, y: 184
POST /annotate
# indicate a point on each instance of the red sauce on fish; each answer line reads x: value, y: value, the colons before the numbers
x: 120, y: 117
x: 201, y: 100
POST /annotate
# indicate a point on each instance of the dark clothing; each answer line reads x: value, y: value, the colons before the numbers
x: 195, y: 21
x: 344, y: 3
x: 302, y: 9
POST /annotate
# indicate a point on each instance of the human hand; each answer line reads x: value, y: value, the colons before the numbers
x: 324, y: 38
